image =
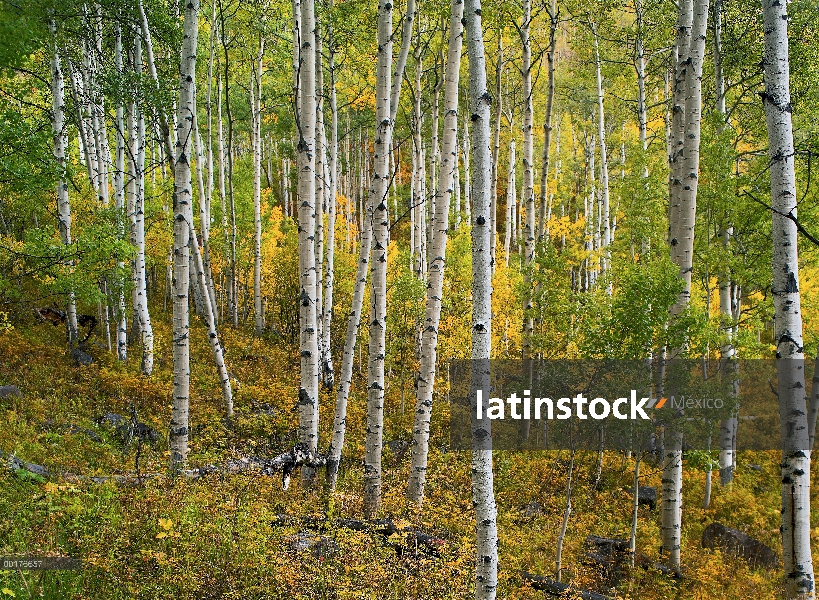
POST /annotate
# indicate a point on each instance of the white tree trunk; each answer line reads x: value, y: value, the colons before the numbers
x: 183, y: 217
x: 60, y: 145
x: 256, y: 118
x: 329, y: 275
x: 465, y: 149
x: 564, y: 525
x: 495, y: 157
x: 604, y: 161
x: 138, y: 221
x: 511, y: 202
x: 483, y: 495
x: 440, y: 223
x: 378, y: 305
x: 204, y: 212
x: 682, y: 217
x: 119, y: 205
x: 309, y: 383
x: 321, y: 191
x: 340, y: 416
x: 167, y: 131
x: 418, y: 198
x: 528, y: 189
x: 795, y: 466
x: 210, y: 321
x: 551, y: 57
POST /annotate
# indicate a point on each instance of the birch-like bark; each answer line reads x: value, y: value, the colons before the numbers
x: 727, y: 426
x: 435, y: 158
x: 418, y: 197
x: 635, y: 507
x: 309, y: 382
x: 220, y: 134
x: 401, y: 61
x: 183, y: 216
x: 214, y: 26
x: 88, y: 150
x: 204, y: 210
x: 138, y: 186
x: 493, y: 216
x: 719, y: 79
x: 257, y: 188
x: 167, y: 132
x: 551, y: 57
x: 231, y: 198
x: 511, y: 202
x: 640, y: 67
x: 378, y: 305
x: 210, y: 321
x: 354, y: 318
x: 795, y: 466
x: 119, y: 203
x: 321, y: 190
x: 60, y: 145
x: 483, y: 495
x: 440, y: 223
x: 466, y: 147
x: 682, y: 217
x: 604, y: 162
x: 564, y: 525
x: 528, y: 179
x: 327, y: 370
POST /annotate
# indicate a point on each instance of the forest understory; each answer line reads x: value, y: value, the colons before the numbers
x: 222, y: 536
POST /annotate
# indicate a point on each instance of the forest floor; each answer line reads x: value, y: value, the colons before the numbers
x: 223, y: 536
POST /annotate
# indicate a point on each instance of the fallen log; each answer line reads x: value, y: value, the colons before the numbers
x: 412, y: 539
x: 558, y: 589
x: 287, y: 462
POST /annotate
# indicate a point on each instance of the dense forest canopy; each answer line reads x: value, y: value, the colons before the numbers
x: 264, y: 229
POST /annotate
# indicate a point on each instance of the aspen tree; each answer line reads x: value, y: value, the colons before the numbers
x: 528, y: 189
x: 256, y: 125
x: 378, y: 305
x: 183, y: 216
x: 551, y: 58
x: 483, y: 495
x: 692, y: 24
x: 434, y: 293
x: 60, y: 145
x: 353, y: 320
x: 119, y: 201
x: 795, y: 466
x: 141, y: 311
x: 309, y: 382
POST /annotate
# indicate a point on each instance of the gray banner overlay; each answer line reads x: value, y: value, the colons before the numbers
x: 624, y: 405
x: 39, y: 563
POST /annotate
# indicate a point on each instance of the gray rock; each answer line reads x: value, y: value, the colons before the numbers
x: 533, y: 509
x: 125, y: 430
x: 609, y: 556
x: 735, y: 542
x: 258, y: 408
x: 7, y: 391
x: 89, y: 433
x: 646, y: 495
x: 110, y: 420
x: 319, y: 546
x: 81, y: 358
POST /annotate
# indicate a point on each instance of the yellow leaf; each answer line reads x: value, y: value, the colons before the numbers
x: 50, y: 488
x: 161, y: 535
x: 8, y: 592
x: 166, y: 524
